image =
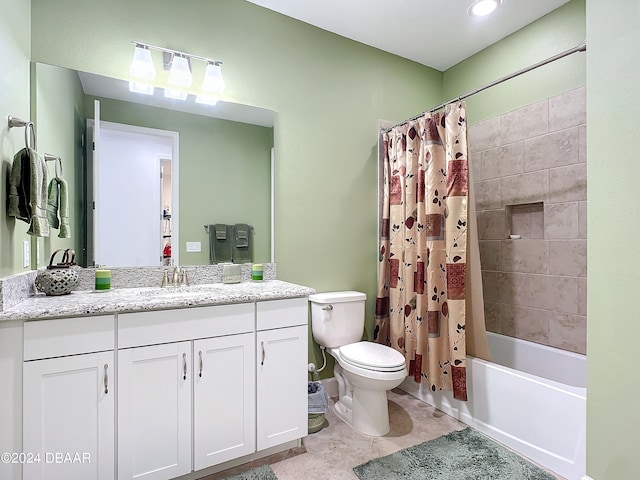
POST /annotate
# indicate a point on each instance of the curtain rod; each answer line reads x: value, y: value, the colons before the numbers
x: 580, y: 48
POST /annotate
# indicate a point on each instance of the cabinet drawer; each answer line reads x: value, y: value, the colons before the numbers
x: 68, y: 336
x: 282, y: 313
x: 164, y: 326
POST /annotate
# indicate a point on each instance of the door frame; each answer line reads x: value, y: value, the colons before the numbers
x: 174, y: 138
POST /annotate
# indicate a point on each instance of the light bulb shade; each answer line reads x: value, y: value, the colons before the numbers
x: 142, y: 65
x: 213, y: 81
x: 206, y: 100
x: 175, y: 94
x: 143, y: 88
x: 180, y: 74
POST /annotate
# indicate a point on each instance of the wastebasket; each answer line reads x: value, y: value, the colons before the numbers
x: 318, y: 406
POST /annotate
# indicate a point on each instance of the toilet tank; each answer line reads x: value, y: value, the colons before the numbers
x: 337, y: 318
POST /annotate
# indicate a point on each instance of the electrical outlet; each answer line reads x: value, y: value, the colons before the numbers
x: 26, y: 254
x: 194, y: 247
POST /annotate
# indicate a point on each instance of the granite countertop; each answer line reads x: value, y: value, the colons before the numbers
x: 120, y: 300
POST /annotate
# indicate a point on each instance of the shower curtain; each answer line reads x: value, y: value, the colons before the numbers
x: 421, y: 305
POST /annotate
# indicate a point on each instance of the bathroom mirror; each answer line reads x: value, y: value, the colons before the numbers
x: 223, y: 174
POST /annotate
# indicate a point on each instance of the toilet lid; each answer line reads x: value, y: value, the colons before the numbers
x: 372, y: 356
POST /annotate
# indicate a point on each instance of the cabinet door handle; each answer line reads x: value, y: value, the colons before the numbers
x: 106, y: 379
x: 184, y: 366
x: 263, y: 353
x: 200, y: 373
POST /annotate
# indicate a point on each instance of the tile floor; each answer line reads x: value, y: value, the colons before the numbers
x: 332, y: 452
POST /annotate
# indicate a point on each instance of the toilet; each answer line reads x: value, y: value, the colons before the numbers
x: 365, y: 371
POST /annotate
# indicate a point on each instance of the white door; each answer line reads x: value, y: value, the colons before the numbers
x: 128, y: 202
x: 281, y: 385
x: 68, y: 417
x: 124, y: 204
x: 154, y: 411
x: 224, y: 399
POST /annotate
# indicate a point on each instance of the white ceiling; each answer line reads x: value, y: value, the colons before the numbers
x: 436, y: 33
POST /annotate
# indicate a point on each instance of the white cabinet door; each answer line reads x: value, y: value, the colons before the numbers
x: 154, y: 411
x: 224, y: 398
x: 68, y: 417
x: 281, y: 385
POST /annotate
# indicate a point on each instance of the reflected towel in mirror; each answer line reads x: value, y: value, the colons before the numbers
x: 220, y: 236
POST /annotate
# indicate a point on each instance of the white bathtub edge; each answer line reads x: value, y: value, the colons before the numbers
x: 459, y: 410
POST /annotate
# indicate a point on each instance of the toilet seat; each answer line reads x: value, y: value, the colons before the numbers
x: 372, y: 356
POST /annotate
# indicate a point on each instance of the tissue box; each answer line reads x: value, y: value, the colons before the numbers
x: 231, y: 273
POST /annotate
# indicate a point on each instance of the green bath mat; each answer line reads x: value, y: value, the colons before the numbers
x: 459, y: 455
x: 263, y: 472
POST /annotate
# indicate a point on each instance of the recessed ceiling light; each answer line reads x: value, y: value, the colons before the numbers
x: 480, y: 8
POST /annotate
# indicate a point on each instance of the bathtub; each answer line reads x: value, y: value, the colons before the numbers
x: 531, y: 398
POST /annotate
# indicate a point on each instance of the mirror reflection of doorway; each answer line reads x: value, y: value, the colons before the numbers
x: 134, y: 213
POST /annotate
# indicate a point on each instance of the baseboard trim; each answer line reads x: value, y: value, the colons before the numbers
x: 587, y: 477
x: 240, y: 461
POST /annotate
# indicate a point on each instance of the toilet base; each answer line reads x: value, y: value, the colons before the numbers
x: 369, y: 415
x: 362, y: 407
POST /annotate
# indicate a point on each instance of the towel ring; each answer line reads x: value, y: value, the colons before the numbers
x: 49, y: 158
x: 29, y: 130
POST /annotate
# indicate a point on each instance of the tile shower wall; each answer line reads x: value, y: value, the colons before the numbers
x: 529, y: 169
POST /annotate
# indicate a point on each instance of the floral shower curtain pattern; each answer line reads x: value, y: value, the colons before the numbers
x: 420, y: 305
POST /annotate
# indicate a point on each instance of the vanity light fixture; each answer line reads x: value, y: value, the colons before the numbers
x: 206, y: 100
x: 180, y: 73
x: 142, y: 65
x: 144, y: 88
x: 175, y: 94
x: 213, y: 81
x: 481, y: 8
x: 179, y: 66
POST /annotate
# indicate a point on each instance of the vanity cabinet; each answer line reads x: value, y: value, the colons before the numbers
x: 69, y: 399
x: 154, y: 411
x: 193, y: 398
x: 159, y: 394
x: 281, y: 347
x: 224, y: 399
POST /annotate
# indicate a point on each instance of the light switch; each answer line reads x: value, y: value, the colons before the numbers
x: 194, y: 247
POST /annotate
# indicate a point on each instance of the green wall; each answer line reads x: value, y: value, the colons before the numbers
x: 613, y: 99
x: 15, y: 35
x: 560, y: 30
x: 224, y: 177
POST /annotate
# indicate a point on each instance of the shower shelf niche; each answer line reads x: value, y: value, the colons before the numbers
x: 525, y: 219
